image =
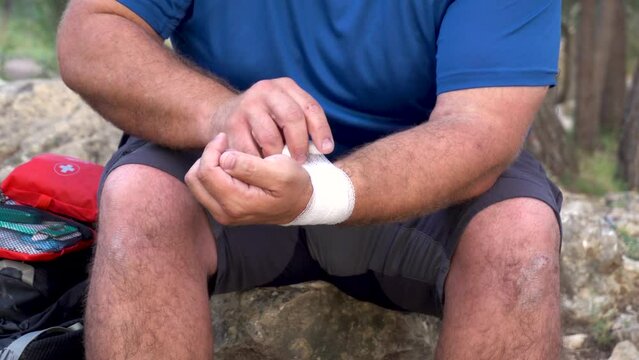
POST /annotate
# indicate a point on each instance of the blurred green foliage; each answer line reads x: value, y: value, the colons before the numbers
x: 631, y: 242
x: 633, y: 29
x: 602, y: 332
x: 597, y: 172
x: 28, y: 28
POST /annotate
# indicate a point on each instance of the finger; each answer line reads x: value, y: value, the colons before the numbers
x: 255, y: 171
x: 240, y: 138
x: 290, y: 118
x: 316, y: 121
x: 213, y: 179
x: 245, y: 144
x: 266, y: 133
x: 203, y: 196
x: 211, y: 154
x: 222, y: 195
x: 200, y: 193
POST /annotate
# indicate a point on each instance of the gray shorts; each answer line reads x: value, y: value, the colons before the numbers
x: 399, y: 265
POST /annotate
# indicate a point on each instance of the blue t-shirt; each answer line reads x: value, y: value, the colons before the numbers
x: 375, y: 66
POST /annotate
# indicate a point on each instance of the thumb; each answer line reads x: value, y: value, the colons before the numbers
x: 253, y: 170
x: 213, y: 150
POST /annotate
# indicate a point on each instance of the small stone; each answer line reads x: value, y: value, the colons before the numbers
x: 626, y: 327
x: 624, y: 350
x: 22, y: 68
x: 632, y: 229
x: 631, y: 265
x: 574, y: 342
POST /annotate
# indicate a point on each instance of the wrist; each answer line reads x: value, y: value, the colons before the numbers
x: 209, y: 116
x: 333, y: 197
x: 303, y: 200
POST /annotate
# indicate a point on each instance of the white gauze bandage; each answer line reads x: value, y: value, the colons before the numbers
x: 333, y: 197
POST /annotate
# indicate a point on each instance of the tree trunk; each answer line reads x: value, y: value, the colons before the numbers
x: 565, y: 70
x: 548, y: 141
x: 614, y: 90
x: 632, y: 94
x: 629, y: 147
x: 59, y: 6
x: 4, y: 24
x: 587, y: 114
x: 571, y: 20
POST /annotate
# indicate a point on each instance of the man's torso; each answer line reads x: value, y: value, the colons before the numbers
x: 371, y: 65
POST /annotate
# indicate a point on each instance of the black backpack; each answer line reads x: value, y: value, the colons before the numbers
x: 41, y: 308
x: 36, y: 323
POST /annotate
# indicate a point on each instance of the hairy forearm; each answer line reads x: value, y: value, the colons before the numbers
x: 134, y: 81
x: 453, y: 157
x: 421, y: 170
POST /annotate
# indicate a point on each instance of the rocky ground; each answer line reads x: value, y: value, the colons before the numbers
x: 600, y: 262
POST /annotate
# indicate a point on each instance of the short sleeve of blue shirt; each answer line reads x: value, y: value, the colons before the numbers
x: 498, y: 43
x: 162, y: 15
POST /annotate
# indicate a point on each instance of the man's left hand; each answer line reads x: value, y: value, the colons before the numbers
x: 238, y: 188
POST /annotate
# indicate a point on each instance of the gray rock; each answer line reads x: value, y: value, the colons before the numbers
x: 626, y: 326
x: 39, y: 116
x: 574, y: 342
x: 22, y: 68
x: 630, y: 265
x: 591, y: 254
x: 624, y: 350
x: 316, y: 321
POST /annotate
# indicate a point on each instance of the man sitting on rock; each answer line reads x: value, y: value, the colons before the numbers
x: 429, y: 204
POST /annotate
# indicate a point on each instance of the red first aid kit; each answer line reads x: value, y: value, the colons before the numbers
x: 56, y: 183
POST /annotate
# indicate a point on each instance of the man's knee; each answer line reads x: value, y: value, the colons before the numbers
x: 147, y: 213
x: 512, y: 250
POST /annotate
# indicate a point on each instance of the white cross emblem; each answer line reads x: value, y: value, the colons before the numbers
x: 66, y: 168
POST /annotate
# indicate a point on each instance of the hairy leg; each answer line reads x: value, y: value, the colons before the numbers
x: 148, y: 295
x: 502, y: 292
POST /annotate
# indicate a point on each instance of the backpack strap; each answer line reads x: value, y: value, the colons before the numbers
x: 19, y: 345
x: 27, y: 272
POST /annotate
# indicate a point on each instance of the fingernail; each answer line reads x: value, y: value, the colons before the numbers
x: 227, y: 160
x: 327, y: 145
x: 300, y: 158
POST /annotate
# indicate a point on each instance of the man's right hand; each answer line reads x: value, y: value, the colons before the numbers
x: 271, y: 114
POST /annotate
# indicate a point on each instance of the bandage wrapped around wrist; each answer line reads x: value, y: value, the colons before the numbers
x: 333, y: 197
